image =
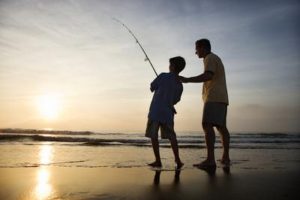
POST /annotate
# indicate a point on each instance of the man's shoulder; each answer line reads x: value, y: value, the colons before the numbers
x: 212, y: 56
x: 213, y: 59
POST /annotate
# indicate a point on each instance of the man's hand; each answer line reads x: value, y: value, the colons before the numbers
x: 183, y: 79
x: 206, y: 76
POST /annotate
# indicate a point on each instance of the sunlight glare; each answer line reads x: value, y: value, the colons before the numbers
x: 49, y: 106
x: 45, y: 154
x: 43, y: 188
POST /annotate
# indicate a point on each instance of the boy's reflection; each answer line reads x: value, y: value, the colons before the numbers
x: 176, y: 180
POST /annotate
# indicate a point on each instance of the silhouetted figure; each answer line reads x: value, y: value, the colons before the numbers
x: 157, y: 174
x: 226, y: 170
x: 167, y: 90
x: 211, y: 171
x: 156, y: 178
x: 177, y: 177
x: 215, y: 99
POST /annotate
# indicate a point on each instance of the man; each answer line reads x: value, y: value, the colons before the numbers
x: 215, y: 99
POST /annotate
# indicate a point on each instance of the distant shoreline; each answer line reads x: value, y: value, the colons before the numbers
x: 39, y: 131
x: 69, y: 132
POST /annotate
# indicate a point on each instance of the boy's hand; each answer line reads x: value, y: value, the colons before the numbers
x: 183, y: 79
x: 174, y: 110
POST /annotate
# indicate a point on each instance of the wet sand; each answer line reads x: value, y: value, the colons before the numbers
x: 57, y: 171
x: 51, y: 182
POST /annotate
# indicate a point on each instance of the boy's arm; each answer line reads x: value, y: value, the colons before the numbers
x: 155, y: 83
x: 177, y: 99
x: 178, y: 96
x: 206, y: 76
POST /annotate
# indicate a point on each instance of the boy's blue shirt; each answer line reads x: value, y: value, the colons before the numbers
x: 167, y: 92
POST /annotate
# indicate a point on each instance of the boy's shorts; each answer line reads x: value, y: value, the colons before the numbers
x: 215, y: 113
x: 166, y: 130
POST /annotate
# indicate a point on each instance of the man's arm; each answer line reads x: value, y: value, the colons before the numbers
x: 206, y: 76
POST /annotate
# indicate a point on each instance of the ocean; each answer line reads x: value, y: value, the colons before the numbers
x: 94, y: 149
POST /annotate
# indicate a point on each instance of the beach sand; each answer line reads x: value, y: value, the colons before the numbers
x: 48, y: 182
x: 48, y: 170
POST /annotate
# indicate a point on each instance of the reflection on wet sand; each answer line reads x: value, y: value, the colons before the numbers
x: 211, y: 171
x: 43, y: 188
x: 166, y: 188
x: 176, y: 181
x: 45, y: 154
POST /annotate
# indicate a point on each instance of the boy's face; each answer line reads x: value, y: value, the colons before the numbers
x: 200, y: 51
x: 171, y: 68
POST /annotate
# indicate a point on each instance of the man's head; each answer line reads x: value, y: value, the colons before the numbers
x: 202, y: 47
x: 177, y: 64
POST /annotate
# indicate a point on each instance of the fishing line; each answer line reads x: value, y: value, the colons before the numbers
x: 137, y: 41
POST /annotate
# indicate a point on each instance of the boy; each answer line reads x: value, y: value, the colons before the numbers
x: 167, y: 92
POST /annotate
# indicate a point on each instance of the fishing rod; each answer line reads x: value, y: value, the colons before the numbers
x: 137, y: 41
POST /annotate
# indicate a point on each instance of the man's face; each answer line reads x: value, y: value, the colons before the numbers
x: 200, y: 51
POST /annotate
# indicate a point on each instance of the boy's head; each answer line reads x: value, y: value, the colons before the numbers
x: 177, y: 64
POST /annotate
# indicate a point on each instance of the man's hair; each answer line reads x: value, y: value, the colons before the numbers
x: 178, y: 63
x: 204, y: 43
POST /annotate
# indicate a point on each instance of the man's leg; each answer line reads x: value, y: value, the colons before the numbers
x: 225, y: 136
x: 210, y: 143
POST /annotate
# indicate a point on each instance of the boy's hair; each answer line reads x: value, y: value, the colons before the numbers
x: 178, y: 63
x: 204, y: 43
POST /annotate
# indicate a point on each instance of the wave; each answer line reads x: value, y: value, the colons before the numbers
x: 241, y: 141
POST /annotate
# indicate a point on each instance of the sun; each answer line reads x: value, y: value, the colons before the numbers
x: 48, y: 106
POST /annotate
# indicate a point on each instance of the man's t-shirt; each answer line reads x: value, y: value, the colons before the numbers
x: 215, y: 90
x: 167, y: 92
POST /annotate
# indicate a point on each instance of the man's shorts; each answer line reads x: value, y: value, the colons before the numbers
x: 166, y: 130
x: 215, y: 113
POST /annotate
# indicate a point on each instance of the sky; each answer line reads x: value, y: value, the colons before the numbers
x: 65, y: 64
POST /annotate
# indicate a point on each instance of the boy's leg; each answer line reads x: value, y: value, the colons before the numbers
x: 155, y: 146
x: 174, y: 146
x: 225, y: 137
x: 167, y: 131
x: 152, y: 132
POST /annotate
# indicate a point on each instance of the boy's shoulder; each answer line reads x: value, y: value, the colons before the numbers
x: 171, y: 78
x: 167, y: 74
x: 163, y: 74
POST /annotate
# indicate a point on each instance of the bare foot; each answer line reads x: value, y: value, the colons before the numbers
x: 179, y: 165
x: 155, y: 164
x: 206, y: 164
x: 225, y: 162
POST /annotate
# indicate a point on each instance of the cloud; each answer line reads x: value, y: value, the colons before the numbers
x: 257, y: 117
x: 74, y: 48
